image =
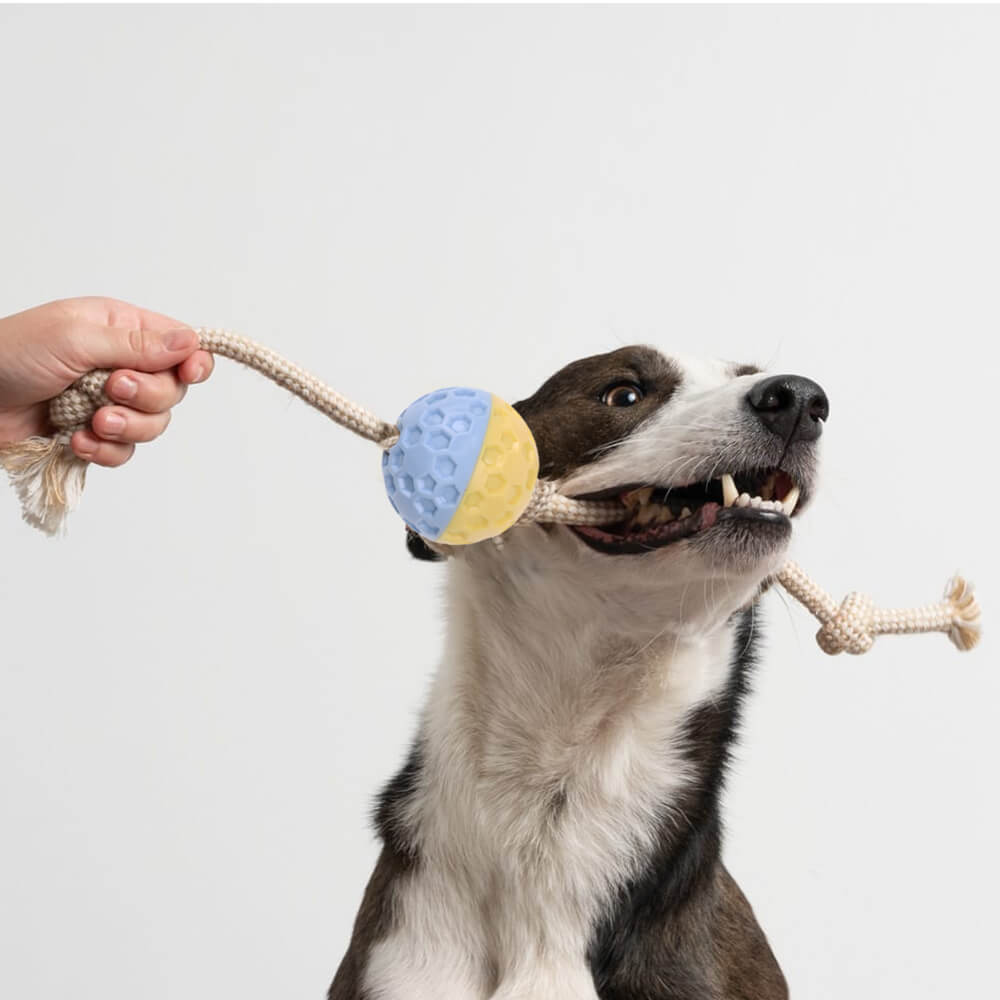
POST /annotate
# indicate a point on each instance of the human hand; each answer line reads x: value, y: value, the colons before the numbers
x: 42, y: 351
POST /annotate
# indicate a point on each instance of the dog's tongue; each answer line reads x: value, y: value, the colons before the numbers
x: 708, y: 516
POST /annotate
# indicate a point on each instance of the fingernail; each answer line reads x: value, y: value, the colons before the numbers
x: 125, y: 388
x: 180, y: 340
x: 114, y: 423
x: 199, y: 374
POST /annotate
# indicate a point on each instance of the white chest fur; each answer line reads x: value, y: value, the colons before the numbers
x: 550, y: 760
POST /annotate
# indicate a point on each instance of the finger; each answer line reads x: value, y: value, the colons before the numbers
x: 140, y: 349
x: 119, y: 423
x: 142, y: 391
x: 123, y: 315
x: 108, y: 453
x: 196, y: 368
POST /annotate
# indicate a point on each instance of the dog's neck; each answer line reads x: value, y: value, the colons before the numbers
x: 552, y: 674
x: 562, y: 605
x: 554, y: 752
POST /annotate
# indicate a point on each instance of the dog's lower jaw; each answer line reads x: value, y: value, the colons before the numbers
x: 556, y: 762
x: 689, y: 590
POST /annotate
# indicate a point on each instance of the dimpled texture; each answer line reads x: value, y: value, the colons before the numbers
x: 502, y: 481
x: 440, y: 440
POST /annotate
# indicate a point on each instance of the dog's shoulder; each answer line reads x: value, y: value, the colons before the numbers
x: 373, y: 923
x: 710, y: 948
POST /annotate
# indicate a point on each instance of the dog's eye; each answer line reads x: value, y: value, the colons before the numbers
x: 623, y: 394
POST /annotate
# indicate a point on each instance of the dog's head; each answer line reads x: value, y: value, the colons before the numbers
x: 713, y: 460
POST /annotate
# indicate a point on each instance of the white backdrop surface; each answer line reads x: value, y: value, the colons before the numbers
x: 199, y: 691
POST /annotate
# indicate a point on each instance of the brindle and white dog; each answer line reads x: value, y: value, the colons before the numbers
x: 555, y: 833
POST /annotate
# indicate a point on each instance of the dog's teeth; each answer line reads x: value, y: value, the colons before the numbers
x: 755, y: 502
x: 664, y: 514
x: 686, y: 512
x: 743, y: 500
x: 646, y: 513
x: 638, y: 498
x: 729, y: 492
x: 777, y: 507
x: 790, y: 501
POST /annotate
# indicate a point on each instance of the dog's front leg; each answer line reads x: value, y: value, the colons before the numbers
x: 436, y: 949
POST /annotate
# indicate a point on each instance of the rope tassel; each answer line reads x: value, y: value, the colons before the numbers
x: 49, y: 479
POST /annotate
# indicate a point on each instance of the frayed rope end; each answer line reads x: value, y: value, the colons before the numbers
x: 852, y: 625
x: 47, y: 477
x: 966, y: 628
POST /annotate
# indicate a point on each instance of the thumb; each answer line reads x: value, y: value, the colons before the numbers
x: 142, y: 349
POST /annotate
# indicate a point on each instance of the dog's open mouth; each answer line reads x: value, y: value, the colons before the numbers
x: 659, y: 515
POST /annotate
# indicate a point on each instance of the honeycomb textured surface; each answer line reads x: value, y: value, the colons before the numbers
x: 440, y: 440
x: 501, y: 483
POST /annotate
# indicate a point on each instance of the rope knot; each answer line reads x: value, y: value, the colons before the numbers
x: 73, y: 408
x: 849, y: 629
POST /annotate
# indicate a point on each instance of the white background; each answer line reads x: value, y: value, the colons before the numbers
x: 202, y: 686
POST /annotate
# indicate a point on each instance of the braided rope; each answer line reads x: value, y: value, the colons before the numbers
x: 73, y: 409
x: 548, y: 504
x: 852, y: 625
x: 49, y: 478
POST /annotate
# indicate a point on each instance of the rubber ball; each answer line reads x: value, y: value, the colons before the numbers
x: 464, y: 467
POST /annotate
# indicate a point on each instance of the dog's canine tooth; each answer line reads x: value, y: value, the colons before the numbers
x: 791, y: 500
x: 686, y: 512
x: 729, y: 491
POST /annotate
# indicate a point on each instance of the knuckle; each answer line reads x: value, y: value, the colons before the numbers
x: 150, y: 426
x: 160, y: 423
x: 137, y: 342
x: 159, y: 395
x: 110, y: 421
x: 118, y: 454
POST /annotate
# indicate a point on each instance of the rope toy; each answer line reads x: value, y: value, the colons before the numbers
x: 460, y: 466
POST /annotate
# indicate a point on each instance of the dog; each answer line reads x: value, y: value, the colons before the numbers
x: 555, y: 832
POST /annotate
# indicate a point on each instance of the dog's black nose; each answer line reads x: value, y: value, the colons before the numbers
x: 791, y: 406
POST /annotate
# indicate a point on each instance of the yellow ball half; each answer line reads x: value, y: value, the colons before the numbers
x: 502, y: 479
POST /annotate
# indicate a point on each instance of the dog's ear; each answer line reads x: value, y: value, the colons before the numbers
x: 419, y: 549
